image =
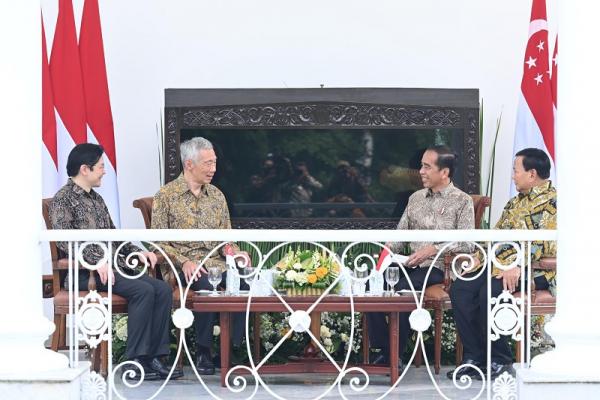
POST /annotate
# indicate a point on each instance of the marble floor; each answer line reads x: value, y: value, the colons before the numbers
x: 416, y: 384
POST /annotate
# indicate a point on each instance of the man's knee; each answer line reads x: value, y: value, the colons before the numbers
x: 163, y: 289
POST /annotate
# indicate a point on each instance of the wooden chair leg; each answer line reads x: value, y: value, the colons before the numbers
x: 182, y: 354
x: 459, y: 350
x: 437, y: 338
x: 104, y: 358
x: 365, y: 339
x: 58, y: 322
x: 256, y: 337
x: 418, y: 358
x: 95, y: 356
x: 519, y: 356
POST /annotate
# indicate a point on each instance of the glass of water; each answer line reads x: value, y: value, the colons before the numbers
x: 214, y: 278
x: 392, y: 277
x: 359, y: 283
x: 248, y: 277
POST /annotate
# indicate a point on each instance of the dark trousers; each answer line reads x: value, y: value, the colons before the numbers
x: 149, y: 303
x: 470, y: 305
x: 205, y: 321
x: 379, y: 336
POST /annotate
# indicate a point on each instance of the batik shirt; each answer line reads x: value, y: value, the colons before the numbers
x: 74, y: 208
x: 535, y: 209
x: 176, y: 207
x: 450, y: 208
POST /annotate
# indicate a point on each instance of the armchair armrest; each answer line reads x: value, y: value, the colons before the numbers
x: 546, y: 263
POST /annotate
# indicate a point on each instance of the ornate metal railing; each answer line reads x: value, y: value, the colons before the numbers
x: 91, y: 320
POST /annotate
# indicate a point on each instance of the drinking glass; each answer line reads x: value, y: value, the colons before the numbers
x: 392, y: 277
x: 214, y: 278
x: 248, y: 277
x: 359, y: 284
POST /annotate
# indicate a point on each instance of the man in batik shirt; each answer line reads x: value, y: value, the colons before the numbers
x: 533, y: 208
x: 191, y: 202
x: 440, y: 205
x: 77, y: 206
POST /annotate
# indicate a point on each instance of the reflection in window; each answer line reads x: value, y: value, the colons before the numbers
x: 321, y: 173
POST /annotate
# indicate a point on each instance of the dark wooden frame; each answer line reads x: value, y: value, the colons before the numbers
x: 366, y: 108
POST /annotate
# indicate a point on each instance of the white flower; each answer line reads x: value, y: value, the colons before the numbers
x: 327, y: 342
x: 290, y: 275
x: 344, y: 337
x: 325, y: 332
x: 216, y: 330
x: 268, y: 346
x: 121, y: 333
x: 301, y: 278
x: 297, y: 266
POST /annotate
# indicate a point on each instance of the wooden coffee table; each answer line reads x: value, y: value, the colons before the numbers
x: 226, y: 305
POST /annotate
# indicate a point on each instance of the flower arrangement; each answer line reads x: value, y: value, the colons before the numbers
x: 306, y: 272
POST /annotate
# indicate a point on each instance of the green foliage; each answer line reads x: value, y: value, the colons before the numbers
x: 487, y: 187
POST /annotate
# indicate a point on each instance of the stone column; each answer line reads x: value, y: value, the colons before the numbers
x: 571, y: 370
x: 23, y: 328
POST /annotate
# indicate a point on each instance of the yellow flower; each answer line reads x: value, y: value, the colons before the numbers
x: 335, y: 267
x: 321, y: 272
x: 312, y: 278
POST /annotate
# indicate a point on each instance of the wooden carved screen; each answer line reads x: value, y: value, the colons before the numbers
x: 196, y: 110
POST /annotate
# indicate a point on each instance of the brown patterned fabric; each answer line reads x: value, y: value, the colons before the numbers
x: 534, y: 210
x: 74, y: 208
x: 176, y: 207
x: 450, y: 208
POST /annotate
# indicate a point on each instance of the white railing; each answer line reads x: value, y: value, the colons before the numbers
x: 502, y: 387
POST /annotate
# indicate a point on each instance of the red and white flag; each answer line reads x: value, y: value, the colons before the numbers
x: 67, y: 87
x: 535, y: 114
x: 384, y: 260
x: 97, y: 102
x: 49, y: 151
x: 79, y: 94
x: 554, y: 76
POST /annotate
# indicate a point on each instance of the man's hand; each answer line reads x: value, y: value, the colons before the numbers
x: 103, y: 272
x: 150, y: 257
x: 421, y: 255
x: 189, y: 267
x: 510, y: 278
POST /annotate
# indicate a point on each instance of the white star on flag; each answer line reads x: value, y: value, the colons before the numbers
x: 540, y: 45
x: 538, y: 78
x: 555, y: 59
x: 531, y: 62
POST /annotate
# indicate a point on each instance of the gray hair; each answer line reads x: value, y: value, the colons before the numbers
x: 190, y: 148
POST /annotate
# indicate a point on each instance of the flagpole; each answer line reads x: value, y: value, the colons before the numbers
x: 571, y: 369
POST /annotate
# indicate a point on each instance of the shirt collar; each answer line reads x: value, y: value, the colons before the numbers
x: 182, y: 187
x: 537, y: 190
x: 443, y: 193
x: 78, y: 190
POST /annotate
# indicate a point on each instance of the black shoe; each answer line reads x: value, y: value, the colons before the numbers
x: 497, y: 369
x: 467, y: 370
x: 149, y: 373
x: 164, y: 370
x: 204, y: 365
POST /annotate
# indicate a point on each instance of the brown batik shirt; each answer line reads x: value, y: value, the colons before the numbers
x: 74, y: 208
x: 450, y: 208
x: 176, y: 207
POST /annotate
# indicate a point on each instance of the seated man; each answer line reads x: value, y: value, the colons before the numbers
x: 191, y: 202
x: 440, y: 205
x: 77, y: 206
x: 533, y: 208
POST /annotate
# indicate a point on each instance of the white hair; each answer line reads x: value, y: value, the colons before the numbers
x: 190, y: 148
